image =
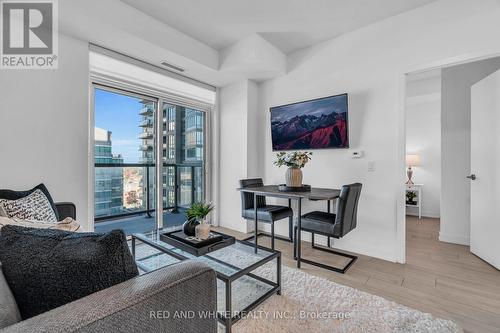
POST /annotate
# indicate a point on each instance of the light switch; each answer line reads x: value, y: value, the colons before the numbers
x: 371, y: 166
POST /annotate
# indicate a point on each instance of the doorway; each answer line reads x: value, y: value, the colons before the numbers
x: 423, y: 160
x: 439, y: 110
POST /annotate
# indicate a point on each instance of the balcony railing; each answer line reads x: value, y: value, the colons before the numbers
x: 146, y: 111
x: 145, y: 147
x: 182, y: 184
x: 146, y: 123
x: 145, y: 135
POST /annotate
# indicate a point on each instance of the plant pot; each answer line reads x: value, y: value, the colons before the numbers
x: 202, y: 230
x: 293, y: 177
x: 189, y: 227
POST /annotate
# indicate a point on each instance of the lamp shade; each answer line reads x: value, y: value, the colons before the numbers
x: 412, y: 160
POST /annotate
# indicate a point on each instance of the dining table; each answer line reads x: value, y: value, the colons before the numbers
x: 313, y: 194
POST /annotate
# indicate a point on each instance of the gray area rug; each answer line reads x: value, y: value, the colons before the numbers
x: 310, y: 304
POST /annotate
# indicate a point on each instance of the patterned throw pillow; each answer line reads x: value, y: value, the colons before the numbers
x: 34, y: 207
x: 2, y: 212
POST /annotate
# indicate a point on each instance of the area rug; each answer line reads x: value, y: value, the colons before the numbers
x: 309, y: 303
x: 313, y: 304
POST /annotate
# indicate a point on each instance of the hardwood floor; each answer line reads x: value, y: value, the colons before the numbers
x: 440, y: 278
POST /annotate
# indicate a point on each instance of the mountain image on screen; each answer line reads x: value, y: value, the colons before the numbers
x: 316, y: 124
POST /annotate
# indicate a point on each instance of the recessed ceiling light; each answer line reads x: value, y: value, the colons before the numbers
x: 174, y: 67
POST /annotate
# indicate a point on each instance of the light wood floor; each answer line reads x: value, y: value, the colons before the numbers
x: 440, y: 278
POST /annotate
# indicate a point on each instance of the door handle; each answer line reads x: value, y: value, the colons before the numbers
x: 472, y: 177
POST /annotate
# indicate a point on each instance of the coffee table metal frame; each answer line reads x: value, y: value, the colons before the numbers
x: 230, y: 320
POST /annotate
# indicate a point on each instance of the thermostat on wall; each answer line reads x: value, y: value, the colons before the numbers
x: 356, y: 153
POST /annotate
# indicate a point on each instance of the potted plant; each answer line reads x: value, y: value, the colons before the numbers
x: 410, y: 195
x: 295, y: 161
x: 199, y: 212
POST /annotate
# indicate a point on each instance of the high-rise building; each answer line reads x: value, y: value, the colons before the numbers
x: 182, y: 151
x: 147, y: 181
x: 147, y: 134
x: 183, y: 155
x: 108, y: 182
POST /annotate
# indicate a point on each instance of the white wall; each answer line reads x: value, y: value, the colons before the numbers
x: 369, y: 64
x: 456, y: 154
x: 423, y: 137
x: 237, y: 150
x: 44, y: 127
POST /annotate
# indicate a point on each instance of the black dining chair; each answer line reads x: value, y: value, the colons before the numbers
x: 265, y: 213
x: 335, y: 225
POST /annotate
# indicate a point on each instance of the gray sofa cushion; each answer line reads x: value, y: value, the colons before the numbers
x: 187, y: 287
x: 9, y: 313
x: 47, y: 268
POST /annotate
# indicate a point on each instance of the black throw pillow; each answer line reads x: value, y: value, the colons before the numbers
x: 14, y: 195
x: 47, y: 268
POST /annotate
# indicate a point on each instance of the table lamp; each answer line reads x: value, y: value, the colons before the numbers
x: 411, y: 161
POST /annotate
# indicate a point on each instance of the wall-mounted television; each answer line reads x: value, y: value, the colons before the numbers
x: 316, y: 124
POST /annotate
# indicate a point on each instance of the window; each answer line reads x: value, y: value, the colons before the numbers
x: 125, y: 160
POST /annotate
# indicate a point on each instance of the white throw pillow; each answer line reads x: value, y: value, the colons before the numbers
x: 2, y: 212
x: 34, y: 207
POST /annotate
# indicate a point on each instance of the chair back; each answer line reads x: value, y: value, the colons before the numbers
x: 347, y: 207
x: 247, y: 198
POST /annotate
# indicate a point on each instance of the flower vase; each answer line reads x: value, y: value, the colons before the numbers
x: 202, y: 230
x: 293, y: 177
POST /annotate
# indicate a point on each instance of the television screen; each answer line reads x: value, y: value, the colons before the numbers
x: 316, y: 124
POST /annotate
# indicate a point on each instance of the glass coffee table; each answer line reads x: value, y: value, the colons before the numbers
x: 244, y: 278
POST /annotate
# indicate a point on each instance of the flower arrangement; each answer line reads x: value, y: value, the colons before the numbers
x: 296, y: 159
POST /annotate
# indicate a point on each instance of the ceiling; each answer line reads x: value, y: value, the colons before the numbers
x: 288, y: 24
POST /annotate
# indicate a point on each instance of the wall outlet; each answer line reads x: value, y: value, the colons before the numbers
x: 356, y: 153
x: 371, y: 166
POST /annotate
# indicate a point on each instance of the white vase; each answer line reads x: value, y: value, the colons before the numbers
x: 202, y: 230
x: 293, y: 177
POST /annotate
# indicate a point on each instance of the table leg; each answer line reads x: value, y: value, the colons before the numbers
x: 290, y: 222
x: 229, y: 310
x: 328, y: 206
x: 299, y: 221
x: 419, y: 203
x: 256, y: 224
x: 278, y: 274
x: 133, y: 247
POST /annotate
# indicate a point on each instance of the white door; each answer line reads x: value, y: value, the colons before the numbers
x: 485, y: 168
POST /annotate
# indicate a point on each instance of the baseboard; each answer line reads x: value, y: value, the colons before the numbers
x: 243, y: 226
x: 455, y: 239
x: 372, y: 251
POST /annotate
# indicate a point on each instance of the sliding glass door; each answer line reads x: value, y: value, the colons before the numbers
x: 132, y: 131
x: 124, y: 157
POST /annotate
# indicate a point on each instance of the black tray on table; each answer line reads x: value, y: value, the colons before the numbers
x: 197, y: 248
x: 303, y: 188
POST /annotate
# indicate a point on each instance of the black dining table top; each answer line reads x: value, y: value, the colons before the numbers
x: 316, y: 193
